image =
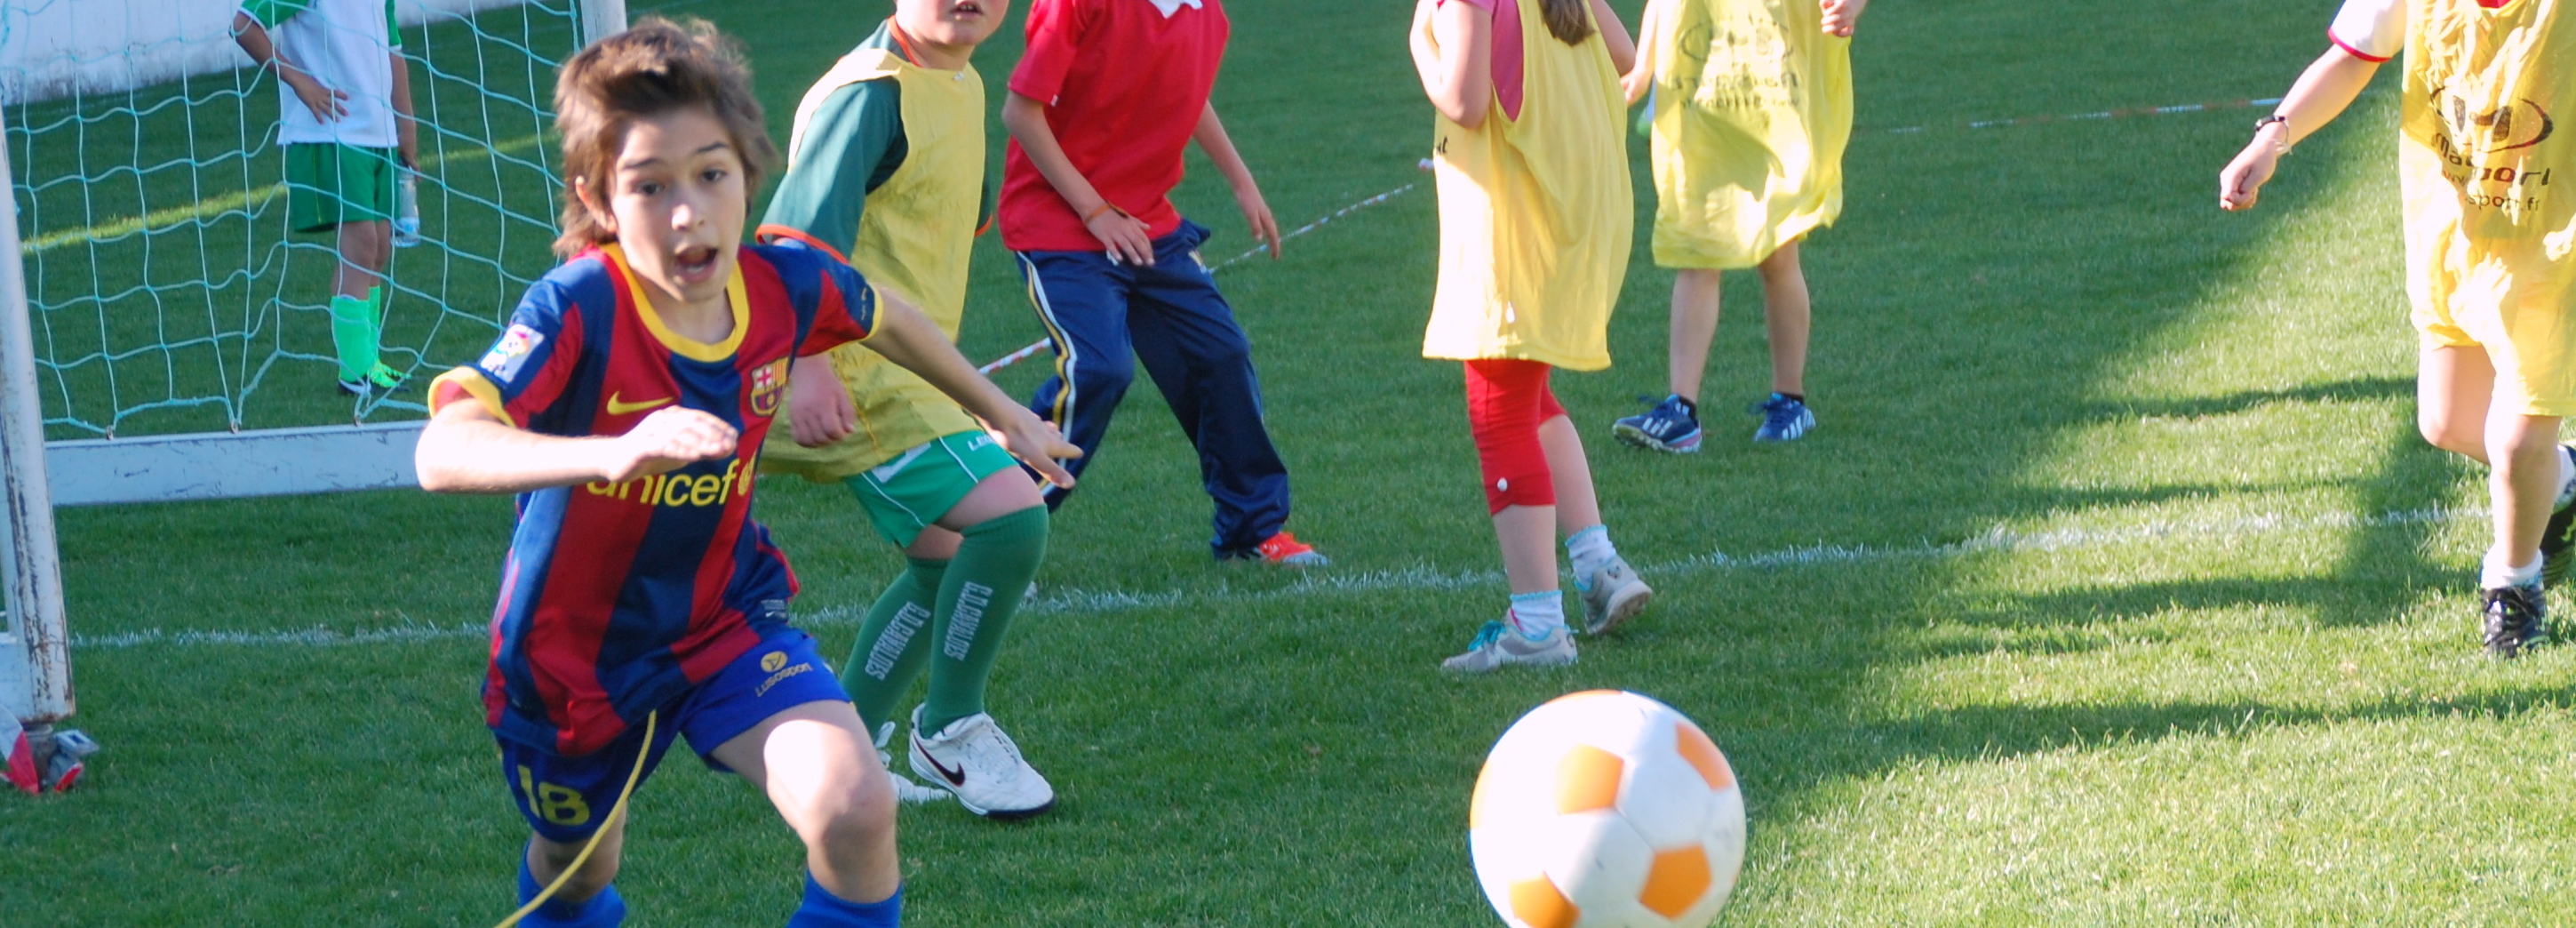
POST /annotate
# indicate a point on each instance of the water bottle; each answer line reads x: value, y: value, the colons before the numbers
x: 407, y: 211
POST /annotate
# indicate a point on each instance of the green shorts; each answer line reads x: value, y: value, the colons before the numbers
x: 907, y: 494
x: 328, y: 184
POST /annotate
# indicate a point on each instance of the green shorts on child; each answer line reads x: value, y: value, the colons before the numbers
x: 329, y: 184
x: 908, y: 494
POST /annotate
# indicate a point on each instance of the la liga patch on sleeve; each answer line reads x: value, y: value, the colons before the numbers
x: 503, y: 361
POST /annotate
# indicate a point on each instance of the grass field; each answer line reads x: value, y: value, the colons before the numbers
x: 2114, y: 589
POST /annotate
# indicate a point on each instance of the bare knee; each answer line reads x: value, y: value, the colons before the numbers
x: 546, y: 859
x: 856, y: 813
x: 2446, y: 430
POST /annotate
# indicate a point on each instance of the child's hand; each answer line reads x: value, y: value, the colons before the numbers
x: 2243, y: 178
x: 669, y: 439
x: 323, y: 101
x: 1636, y: 82
x: 1841, y: 16
x: 1036, y: 443
x: 819, y: 411
x: 1129, y: 239
x: 1256, y: 211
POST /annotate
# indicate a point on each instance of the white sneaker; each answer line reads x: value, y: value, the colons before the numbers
x: 905, y: 790
x: 1497, y: 644
x: 1612, y: 595
x: 975, y: 760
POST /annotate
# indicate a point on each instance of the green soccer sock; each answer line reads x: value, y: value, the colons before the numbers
x: 353, y: 332
x: 893, y: 644
x: 982, y: 590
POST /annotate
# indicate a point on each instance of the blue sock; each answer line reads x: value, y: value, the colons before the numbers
x: 824, y: 910
x: 605, y: 910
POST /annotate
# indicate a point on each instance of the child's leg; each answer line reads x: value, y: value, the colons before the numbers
x: 894, y: 642
x: 1082, y: 299
x: 2454, y: 385
x: 365, y: 249
x: 1570, y: 471
x: 1504, y: 406
x: 1199, y: 357
x: 589, y: 899
x: 1001, y: 528
x: 1785, y: 316
x: 819, y: 768
x: 1694, y: 324
x: 1611, y: 592
x: 2522, y: 483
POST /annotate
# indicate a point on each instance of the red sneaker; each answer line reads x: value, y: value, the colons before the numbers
x: 1285, y: 549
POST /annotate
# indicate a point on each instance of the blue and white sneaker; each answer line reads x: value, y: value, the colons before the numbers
x: 1669, y: 427
x: 1784, y: 418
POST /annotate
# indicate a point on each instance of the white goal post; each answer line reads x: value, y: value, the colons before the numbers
x: 36, y: 474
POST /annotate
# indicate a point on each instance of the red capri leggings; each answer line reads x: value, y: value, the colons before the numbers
x: 1506, y: 401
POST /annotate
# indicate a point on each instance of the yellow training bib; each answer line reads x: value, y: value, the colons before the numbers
x: 914, y: 240
x: 1752, y: 106
x: 1536, y: 217
x: 2489, y: 234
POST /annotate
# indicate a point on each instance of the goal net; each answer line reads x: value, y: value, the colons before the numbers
x: 179, y: 333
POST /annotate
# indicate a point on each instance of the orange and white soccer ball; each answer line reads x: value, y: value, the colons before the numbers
x: 1605, y: 809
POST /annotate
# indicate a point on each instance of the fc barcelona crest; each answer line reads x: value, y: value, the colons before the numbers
x: 768, y: 382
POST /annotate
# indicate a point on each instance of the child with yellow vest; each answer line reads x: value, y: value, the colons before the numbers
x: 2488, y: 253
x: 1534, y: 234
x: 1751, y: 103
x: 886, y: 170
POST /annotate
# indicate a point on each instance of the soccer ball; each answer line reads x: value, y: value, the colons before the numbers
x: 1603, y: 809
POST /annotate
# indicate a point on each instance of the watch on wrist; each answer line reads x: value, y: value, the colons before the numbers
x: 2281, y: 142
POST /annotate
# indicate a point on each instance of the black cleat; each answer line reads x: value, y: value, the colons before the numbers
x: 2557, y: 538
x: 2514, y: 620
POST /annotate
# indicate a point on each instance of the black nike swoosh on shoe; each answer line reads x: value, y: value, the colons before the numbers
x: 955, y: 777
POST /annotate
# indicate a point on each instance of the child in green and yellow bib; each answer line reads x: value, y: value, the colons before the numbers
x: 344, y: 117
x: 886, y: 171
x: 1751, y: 102
x: 2489, y: 261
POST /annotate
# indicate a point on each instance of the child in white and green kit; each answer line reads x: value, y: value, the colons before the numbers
x: 345, y: 120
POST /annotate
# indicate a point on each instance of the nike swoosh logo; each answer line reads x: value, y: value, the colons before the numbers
x: 955, y: 777
x: 617, y: 408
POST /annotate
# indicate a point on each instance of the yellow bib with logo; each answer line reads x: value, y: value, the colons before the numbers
x: 1752, y: 106
x: 1536, y: 217
x: 914, y: 240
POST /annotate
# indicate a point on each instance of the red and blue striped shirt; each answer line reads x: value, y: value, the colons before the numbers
x: 617, y: 598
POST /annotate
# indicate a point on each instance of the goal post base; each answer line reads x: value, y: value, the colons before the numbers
x: 221, y: 465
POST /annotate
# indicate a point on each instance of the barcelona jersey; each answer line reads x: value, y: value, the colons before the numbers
x: 617, y: 598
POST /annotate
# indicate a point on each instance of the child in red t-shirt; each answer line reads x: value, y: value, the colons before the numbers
x: 1101, y: 107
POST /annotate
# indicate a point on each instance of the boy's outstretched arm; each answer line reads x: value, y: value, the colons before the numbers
x: 2322, y: 93
x: 1842, y: 16
x: 908, y: 338
x: 1126, y: 236
x: 466, y: 449
x: 1212, y: 139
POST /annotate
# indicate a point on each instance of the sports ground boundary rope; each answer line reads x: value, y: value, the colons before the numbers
x: 1326, y: 581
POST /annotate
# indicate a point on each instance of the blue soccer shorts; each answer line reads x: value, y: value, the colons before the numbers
x: 566, y: 798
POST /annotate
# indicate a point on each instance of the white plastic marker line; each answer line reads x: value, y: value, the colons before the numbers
x: 1041, y: 344
x: 1419, y: 579
x: 2105, y: 114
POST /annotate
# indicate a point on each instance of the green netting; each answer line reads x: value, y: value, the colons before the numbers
x: 167, y: 292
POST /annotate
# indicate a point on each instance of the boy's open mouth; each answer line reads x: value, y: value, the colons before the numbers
x: 967, y: 10
x: 695, y: 265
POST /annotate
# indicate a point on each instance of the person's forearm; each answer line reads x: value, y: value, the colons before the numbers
x: 1623, y: 50
x: 910, y: 340
x: 405, y: 125
x: 2323, y: 91
x: 1026, y: 120
x: 1460, y: 82
x: 466, y: 453
x: 253, y: 39
x: 1219, y: 147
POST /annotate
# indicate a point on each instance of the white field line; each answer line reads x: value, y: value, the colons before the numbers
x: 1330, y: 582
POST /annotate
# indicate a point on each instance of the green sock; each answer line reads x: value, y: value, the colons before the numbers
x: 353, y: 334
x: 892, y: 645
x: 983, y: 588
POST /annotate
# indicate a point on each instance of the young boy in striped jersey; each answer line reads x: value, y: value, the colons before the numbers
x: 886, y: 168
x: 2489, y: 271
x: 625, y: 404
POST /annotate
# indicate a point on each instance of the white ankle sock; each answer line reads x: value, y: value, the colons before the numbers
x: 1590, y: 549
x: 2498, y: 573
x: 1535, y: 616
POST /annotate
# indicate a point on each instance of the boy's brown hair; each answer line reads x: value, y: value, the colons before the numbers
x: 654, y: 68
